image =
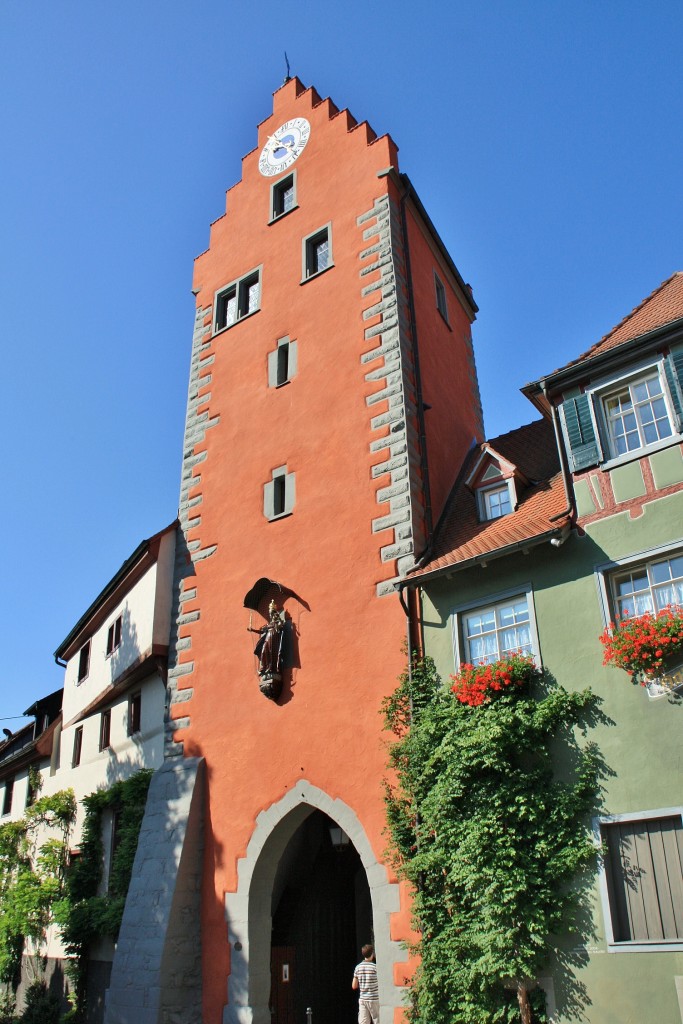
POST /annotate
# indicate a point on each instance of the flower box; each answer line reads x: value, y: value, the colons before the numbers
x: 648, y: 648
x: 479, y: 684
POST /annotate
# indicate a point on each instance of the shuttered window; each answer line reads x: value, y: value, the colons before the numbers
x: 631, y: 414
x: 644, y: 868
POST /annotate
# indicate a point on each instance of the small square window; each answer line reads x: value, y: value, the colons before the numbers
x: 134, y: 713
x: 495, y: 502
x: 317, y: 253
x: 7, y: 798
x: 84, y: 661
x: 440, y: 297
x: 78, y: 747
x: 643, y: 877
x: 114, y: 635
x: 237, y: 300
x: 283, y: 197
x: 105, y: 730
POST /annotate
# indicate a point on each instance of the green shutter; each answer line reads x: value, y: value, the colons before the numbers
x: 673, y: 367
x: 584, y: 445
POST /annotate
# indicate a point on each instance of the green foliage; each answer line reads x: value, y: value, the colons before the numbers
x: 33, y: 854
x: 42, y: 1007
x: 489, y: 837
x: 85, y: 913
x: 7, y: 1008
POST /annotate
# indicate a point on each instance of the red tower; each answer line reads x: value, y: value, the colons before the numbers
x: 333, y: 391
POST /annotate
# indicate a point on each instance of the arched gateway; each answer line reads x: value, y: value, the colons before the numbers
x: 287, y: 839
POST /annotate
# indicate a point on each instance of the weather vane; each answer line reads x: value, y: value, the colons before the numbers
x: 287, y: 76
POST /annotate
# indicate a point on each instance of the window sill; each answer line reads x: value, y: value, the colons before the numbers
x: 274, y: 220
x: 643, y: 946
x: 641, y: 453
x: 318, y: 273
x: 283, y: 515
x: 228, y: 327
x: 445, y: 319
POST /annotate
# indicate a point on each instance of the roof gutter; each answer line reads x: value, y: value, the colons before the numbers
x: 558, y: 533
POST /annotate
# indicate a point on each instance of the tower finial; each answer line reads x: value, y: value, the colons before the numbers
x: 287, y: 76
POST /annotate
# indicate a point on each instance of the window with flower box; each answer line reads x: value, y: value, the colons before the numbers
x: 486, y: 633
x: 641, y: 599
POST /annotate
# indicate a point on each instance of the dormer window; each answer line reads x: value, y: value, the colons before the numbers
x: 495, y: 502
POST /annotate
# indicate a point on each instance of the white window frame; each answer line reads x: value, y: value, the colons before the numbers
x: 637, y: 945
x: 493, y: 601
x: 604, y: 574
x: 307, y: 245
x: 483, y: 496
x: 606, y: 387
x: 239, y: 286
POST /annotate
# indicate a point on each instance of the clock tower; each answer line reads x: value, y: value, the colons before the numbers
x: 332, y: 393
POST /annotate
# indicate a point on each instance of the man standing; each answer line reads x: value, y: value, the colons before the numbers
x: 365, y: 980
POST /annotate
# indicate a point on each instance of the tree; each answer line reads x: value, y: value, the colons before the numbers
x: 487, y: 833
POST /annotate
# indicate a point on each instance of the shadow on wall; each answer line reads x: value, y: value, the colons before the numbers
x: 571, y: 950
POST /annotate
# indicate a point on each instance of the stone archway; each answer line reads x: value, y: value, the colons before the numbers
x: 249, y: 909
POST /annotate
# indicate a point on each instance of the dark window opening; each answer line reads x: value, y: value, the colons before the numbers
x: 84, y: 661
x: 226, y: 308
x: 283, y: 197
x: 441, y: 298
x: 7, y: 799
x: 283, y: 364
x: 134, y: 713
x: 78, y: 747
x: 114, y: 636
x: 279, y: 495
x: 105, y: 730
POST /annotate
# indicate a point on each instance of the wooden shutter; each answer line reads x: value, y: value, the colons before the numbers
x: 673, y: 367
x: 644, y: 867
x: 582, y: 438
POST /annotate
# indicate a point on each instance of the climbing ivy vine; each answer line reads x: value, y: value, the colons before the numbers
x: 489, y: 836
x: 33, y: 857
x: 86, y: 913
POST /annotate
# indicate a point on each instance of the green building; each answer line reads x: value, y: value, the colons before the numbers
x: 552, y: 532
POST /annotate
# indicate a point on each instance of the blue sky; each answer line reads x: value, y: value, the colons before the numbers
x: 544, y: 139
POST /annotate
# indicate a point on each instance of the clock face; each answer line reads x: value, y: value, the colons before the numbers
x: 284, y: 146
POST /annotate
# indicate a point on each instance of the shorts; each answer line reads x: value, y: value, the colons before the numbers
x: 368, y: 1011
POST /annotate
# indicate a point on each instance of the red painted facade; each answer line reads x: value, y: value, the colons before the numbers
x: 326, y: 725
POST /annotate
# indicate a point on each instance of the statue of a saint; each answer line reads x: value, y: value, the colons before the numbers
x: 273, y: 650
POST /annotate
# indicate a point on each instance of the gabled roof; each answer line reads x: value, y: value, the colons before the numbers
x: 659, y: 313
x: 145, y: 554
x: 662, y: 306
x: 461, y: 538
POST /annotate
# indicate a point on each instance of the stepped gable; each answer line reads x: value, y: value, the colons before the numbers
x: 461, y: 537
x: 662, y: 306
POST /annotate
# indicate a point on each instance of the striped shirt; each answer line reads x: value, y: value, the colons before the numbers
x: 366, y: 972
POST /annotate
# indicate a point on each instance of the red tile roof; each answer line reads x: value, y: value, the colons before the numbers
x: 663, y: 306
x: 461, y: 536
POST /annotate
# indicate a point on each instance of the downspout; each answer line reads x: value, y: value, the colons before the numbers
x: 568, y: 490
